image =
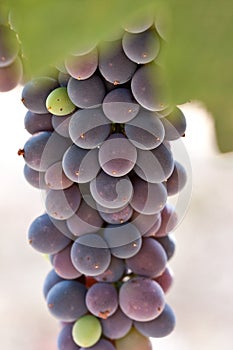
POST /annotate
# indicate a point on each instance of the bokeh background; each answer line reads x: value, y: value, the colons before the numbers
x: 202, y: 294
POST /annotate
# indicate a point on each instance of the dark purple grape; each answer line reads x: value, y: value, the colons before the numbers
x: 90, y: 254
x: 114, y: 271
x: 87, y: 93
x: 88, y: 128
x: 102, y: 344
x: 142, y: 47
x: 63, y: 265
x: 11, y: 75
x: 9, y: 46
x: 51, y: 279
x: 117, y: 325
x: 61, y: 124
x: 65, y: 339
x: 35, y: 93
x: 102, y: 299
x: 169, y: 221
x: 150, y: 261
x: 177, y: 180
x: 45, y: 237
x: 145, y: 131
x: 34, y: 122
x: 80, y: 165
x: 165, y: 280
x: 66, y: 300
x: 124, y: 240
x: 148, y: 87
x: 85, y: 220
x: 116, y: 217
x: 141, y: 299
x: 161, y: 326
x: 83, y: 66
x: 148, y: 198
x: 63, y: 78
x: 146, y: 224
x: 156, y: 165
x: 119, y: 106
x: 114, y: 65
x: 169, y: 244
x: 55, y: 177
x: 62, y: 204
x: 117, y: 156
x: 34, y: 177
x: 174, y: 125
x: 111, y: 192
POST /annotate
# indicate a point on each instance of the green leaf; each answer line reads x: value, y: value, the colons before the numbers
x: 199, y: 59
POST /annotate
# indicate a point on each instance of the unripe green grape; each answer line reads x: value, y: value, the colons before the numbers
x: 133, y: 340
x: 59, y: 103
x: 87, y: 331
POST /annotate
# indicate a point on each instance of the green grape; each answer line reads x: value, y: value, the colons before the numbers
x: 59, y: 103
x: 133, y: 340
x: 87, y: 331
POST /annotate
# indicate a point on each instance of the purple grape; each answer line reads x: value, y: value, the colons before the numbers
x: 11, y: 75
x: 63, y: 265
x: 55, y: 177
x: 61, y: 125
x: 117, y: 325
x: 117, y: 217
x: 165, y: 280
x: 141, y: 299
x: 169, y: 244
x: 34, y: 122
x: 174, y: 125
x: 83, y: 66
x: 9, y: 46
x: 146, y: 224
x: 177, y: 180
x: 65, y: 339
x: 169, y: 221
x: 114, y: 271
x: 102, y: 344
x: 51, y: 279
x: 34, y: 177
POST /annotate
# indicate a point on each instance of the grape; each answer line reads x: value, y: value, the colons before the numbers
x: 86, y: 93
x: 117, y: 217
x: 117, y: 155
x: 102, y: 344
x: 102, y: 299
x: 169, y: 221
x: 146, y: 224
x: 148, y: 198
x: 63, y: 79
x: 114, y: 65
x: 165, y: 280
x: 58, y: 102
x: 87, y: 331
x: 110, y: 191
x: 160, y: 326
x: 63, y: 265
x: 66, y: 300
x: 61, y: 125
x: 141, y: 299
x: 139, y: 23
x: 124, y: 240
x: 62, y: 227
x: 44, y: 149
x: 80, y: 165
x: 148, y: 88
x: 84, y: 48
x: 145, y: 131
x: 34, y: 122
x: 9, y: 46
x: 119, y: 105
x: 169, y: 245
x: 11, y: 75
x: 35, y: 93
x: 62, y: 204
x: 61, y: 67
x: 83, y: 66
x: 34, y: 177
x: 89, y: 128
x: 55, y: 177
x: 114, y: 271
x: 176, y: 182
x: 90, y: 254
x: 133, y: 340
x: 65, y: 339
x: 155, y: 165
x: 117, y: 325
x: 85, y: 220
x: 142, y: 47
x: 45, y: 237
x: 51, y: 279
x: 150, y: 261
x: 174, y: 125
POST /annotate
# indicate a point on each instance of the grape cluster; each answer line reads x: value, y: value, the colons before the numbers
x: 100, y: 149
x: 11, y: 67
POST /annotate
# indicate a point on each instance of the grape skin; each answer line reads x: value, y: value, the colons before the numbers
x: 11, y: 75
x: 117, y: 325
x: 65, y: 340
x: 51, y: 279
x: 9, y: 46
x: 83, y: 66
x: 63, y: 265
x: 34, y: 122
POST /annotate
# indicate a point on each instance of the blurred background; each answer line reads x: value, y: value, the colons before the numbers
x: 202, y: 294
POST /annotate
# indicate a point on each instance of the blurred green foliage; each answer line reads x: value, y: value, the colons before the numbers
x: 198, y: 57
